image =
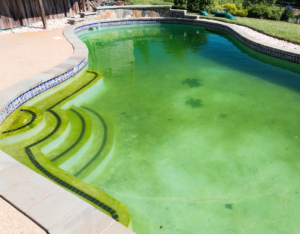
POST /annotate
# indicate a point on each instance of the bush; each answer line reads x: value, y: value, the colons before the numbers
x: 248, y: 3
x: 192, y: 4
x: 231, y: 8
x: 179, y: 2
x: 294, y: 21
x: 218, y: 8
x: 260, y: 11
x: 242, y: 13
x: 205, y: 5
x: 240, y: 6
x: 289, y: 13
x: 276, y: 15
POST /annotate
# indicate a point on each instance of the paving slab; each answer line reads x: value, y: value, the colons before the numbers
x: 26, y: 194
x: 87, y: 219
x: 54, y: 208
x: 29, y: 83
x: 5, y: 160
x: 8, y: 96
x: 117, y: 228
x: 14, y: 174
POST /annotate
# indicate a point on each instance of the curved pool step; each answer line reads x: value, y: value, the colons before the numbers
x: 103, y: 135
x: 79, y: 135
x: 21, y: 125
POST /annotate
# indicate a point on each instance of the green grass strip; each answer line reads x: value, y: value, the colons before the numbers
x: 278, y: 29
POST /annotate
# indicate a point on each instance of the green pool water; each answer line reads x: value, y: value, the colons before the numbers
x: 197, y: 133
x: 207, y: 132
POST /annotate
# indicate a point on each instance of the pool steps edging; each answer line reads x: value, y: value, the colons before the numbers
x: 50, y: 206
x: 53, y: 208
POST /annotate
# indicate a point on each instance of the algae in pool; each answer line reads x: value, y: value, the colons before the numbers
x: 202, y: 132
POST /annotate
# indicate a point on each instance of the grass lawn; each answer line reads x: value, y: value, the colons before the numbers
x: 282, y: 30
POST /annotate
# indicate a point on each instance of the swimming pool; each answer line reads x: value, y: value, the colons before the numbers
x: 192, y: 131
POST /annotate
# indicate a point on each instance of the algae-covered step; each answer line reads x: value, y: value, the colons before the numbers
x: 94, y: 158
x: 74, y: 142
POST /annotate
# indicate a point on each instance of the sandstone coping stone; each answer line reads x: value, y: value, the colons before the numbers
x: 75, y: 21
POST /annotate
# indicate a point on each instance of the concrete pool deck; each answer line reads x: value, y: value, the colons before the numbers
x: 31, y: 53
x: 18, y: 50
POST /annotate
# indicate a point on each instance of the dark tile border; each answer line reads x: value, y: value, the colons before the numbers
x: 243, y: 37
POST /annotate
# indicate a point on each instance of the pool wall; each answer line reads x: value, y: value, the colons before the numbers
x: 15, y: 96
x: 134, y: 11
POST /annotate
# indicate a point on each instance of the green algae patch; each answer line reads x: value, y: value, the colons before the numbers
x: 103, y: 146
x: 81, y: 131
x: 22, y: 120
x: 29, y: 151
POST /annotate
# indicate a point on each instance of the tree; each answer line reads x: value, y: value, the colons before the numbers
x: 205, y: 5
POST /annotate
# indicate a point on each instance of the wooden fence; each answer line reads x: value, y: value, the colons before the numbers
x: 15, y: 13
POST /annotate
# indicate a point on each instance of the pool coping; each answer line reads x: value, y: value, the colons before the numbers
x: 52, y: 207
x: 132, y: 6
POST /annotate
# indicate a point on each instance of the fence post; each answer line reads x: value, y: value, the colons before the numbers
x: 42, y: 10
x: 84, y: 10
x: 88, y: 4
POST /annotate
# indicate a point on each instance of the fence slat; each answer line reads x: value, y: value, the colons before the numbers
x: 14, y: 13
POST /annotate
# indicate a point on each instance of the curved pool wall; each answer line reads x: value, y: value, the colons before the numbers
x: 15, y: 96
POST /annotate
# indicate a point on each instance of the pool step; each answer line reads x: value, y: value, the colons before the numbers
x: 91, y: 148
x: 101, y: 145
x: 74, y: 21
x: 78, y: 135
x: 191, y: 16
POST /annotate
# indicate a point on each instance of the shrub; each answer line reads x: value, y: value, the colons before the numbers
x: 242, y: 13
x: 260, y: 11
x: 248, y: 3
x: 234, y: 10
x: 192, y: 4
x: 179, y: 2
x: 240, y: 6
x: 205, y: 5
x: 289, y: 13
x: 294, y: 21
x: 231, y: 8
x: 218, y: 8
x: 276, y: 15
